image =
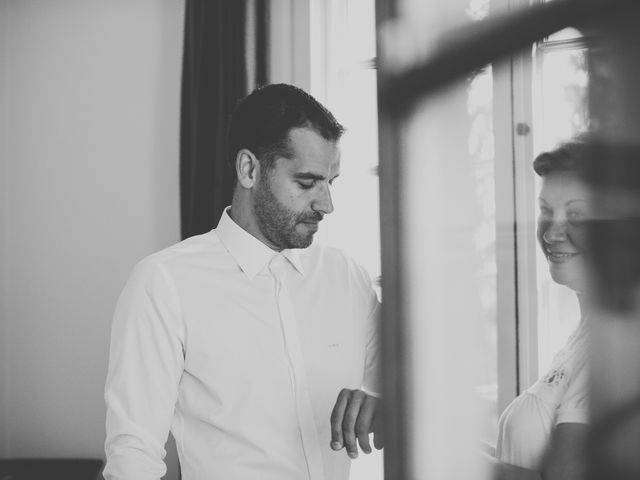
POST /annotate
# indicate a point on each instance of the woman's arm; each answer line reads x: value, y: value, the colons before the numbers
x: 505, y: 471
x: 566, y: 457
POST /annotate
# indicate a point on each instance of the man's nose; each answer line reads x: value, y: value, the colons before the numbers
x: 557, y: 232
x: 323, y: 203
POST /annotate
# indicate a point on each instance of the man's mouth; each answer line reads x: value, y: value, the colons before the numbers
x: 312, y: 220
x: 311, y: 226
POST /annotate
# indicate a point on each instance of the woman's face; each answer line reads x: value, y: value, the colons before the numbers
x: 564, y: 209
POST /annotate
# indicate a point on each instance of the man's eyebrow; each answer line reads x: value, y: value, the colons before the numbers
x: 313, y: 176
x: 309, y: 176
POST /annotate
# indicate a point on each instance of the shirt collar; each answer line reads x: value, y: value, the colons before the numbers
x: 250, y: 254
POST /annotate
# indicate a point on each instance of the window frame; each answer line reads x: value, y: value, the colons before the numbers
x: 518, y: 325
x: 517, y: 295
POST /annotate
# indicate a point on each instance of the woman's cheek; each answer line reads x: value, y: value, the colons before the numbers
x: 578, y: 235
x: 543, y: 226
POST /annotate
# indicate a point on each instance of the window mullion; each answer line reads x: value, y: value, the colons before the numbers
x: 506, y: 293
x: 525, y: 238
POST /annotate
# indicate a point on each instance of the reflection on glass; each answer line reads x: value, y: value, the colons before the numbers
x: 562, y: 75
x: 568, y: 34
x: 528, y: 426
x: 481, y: 154
x: 561, y: 114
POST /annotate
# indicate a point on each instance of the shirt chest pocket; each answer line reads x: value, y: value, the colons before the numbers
x: 334, y: 347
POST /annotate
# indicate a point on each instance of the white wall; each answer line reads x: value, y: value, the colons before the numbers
x: 89, y: 131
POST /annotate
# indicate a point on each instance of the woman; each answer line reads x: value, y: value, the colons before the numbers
x: 542, y: 432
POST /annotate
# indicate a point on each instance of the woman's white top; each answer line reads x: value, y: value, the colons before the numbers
x: 524, y: 429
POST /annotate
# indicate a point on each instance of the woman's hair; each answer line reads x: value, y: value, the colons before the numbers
x: 570, y: 156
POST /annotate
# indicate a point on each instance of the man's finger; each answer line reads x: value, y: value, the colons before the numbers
x: 337, y: 416
x: 364, y: 423
x: 356, y: 398
x: 378, y: 439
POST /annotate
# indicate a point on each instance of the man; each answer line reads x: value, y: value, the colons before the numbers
x: 239, y: 340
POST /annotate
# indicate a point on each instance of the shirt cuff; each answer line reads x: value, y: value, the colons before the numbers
x: 371, y: 393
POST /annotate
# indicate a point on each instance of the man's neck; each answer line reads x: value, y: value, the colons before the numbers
x: 242, y: 215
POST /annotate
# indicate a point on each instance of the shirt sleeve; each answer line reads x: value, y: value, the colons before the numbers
x: 371, y: 383
x: 145, y: 365
x: 574, y: 407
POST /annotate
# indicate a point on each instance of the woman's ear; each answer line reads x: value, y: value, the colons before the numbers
x: 247, y: 168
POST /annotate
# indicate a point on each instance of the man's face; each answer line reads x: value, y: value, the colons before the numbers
x: 294, y: 195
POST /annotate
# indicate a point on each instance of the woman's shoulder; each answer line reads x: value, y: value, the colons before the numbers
x: 573, y: 355
x: 564, y: 370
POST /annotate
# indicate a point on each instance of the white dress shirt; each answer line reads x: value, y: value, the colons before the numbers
x: 241, y: 352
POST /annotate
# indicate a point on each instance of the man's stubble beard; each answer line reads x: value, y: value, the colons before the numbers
x: 277, y: 222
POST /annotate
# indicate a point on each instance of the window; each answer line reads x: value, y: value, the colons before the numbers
x: 347, y: 85
x: 540, y: 97
x: 560, y: 112
x: 331, y: 46
x: 328, y: 48
x: 350, y: 88
x: 534, y: 100
x: 439, y: 285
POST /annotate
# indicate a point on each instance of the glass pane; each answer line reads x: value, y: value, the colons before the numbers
x: 481, y: 156
x: 448, y: 229
x: 562, y: 96
x: 351, y: 94
x: 563, y: 114
x: 564, y: 35
x: 356, y: 190
x: 361, y: 19
x: 481, y: 152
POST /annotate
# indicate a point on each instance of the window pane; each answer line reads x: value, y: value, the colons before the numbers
x: 351, y: 94
x: 481, y: 152
x: 562, y: 96
x: 355, y: 224
x: 565, y: 35
x: 563, y: 99
x: 361, y: 18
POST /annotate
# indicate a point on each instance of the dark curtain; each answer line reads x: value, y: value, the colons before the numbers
x: 224, y: 58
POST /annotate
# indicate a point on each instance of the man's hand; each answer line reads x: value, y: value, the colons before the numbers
x: 354, y: 416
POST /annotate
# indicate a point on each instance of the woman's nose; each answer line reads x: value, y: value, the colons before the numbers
x: 557, y: 232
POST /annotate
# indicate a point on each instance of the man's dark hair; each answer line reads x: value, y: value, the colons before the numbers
x: 570, y: 156
x: 262, y: 120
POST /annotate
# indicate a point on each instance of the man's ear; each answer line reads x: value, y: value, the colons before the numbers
x: 247, y: 168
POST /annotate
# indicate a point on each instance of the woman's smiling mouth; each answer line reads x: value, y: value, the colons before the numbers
x: 559, y: 257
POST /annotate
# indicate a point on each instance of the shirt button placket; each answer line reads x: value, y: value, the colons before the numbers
x: 279, y: 266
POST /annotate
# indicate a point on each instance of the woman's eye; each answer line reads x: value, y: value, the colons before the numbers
x: 545, y: 211
x: 576, y: 217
